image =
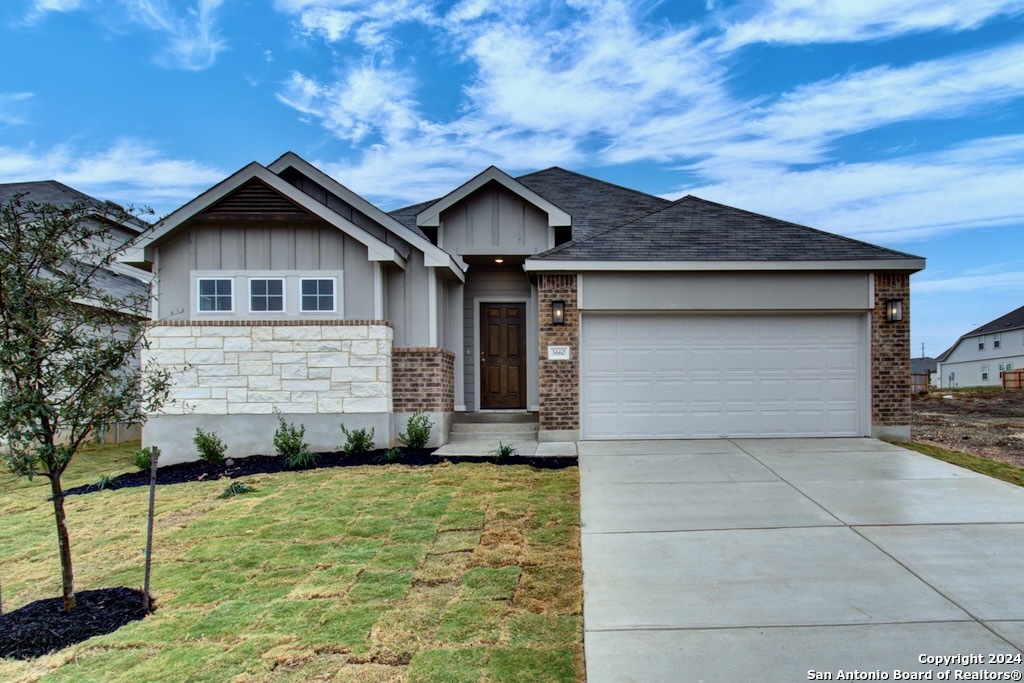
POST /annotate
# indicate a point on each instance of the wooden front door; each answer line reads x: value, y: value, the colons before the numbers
x: 502, y: 356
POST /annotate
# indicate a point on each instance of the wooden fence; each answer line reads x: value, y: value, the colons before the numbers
x: 920, y: 382
x: 1013, y: 380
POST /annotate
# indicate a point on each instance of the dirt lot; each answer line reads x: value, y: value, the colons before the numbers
x: 985, y: 423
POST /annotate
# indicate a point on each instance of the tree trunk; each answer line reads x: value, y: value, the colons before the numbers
x: 64, y: 542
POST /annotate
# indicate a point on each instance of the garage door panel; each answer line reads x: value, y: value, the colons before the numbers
x: 706, y: 376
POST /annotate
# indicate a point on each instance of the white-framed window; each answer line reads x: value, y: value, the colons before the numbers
x: 266, y: 295
x: 318, y: 295
x: 981, y: 344
x: 216, y: 295
x: 1003, y: 367
x: 984, y: 372
x: 996, y: 341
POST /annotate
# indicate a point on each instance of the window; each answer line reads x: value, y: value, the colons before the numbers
x: 981, y: 344
x: 1003, y: 367
x: 984, y: 372
x: 317, y: 295
x: 996, y: 341
x: 266, y: 295
x: 215, y: 295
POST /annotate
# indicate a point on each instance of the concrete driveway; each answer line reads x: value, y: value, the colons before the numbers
x: 768, y: 560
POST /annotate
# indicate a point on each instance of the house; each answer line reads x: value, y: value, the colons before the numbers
x: 924, y: 373
x: 119, y: 280
x: 980, y: 357
x: 608, y: 312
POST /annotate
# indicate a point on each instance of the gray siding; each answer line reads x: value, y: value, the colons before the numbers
x: 491, y: 284
x: 233, y: 247
x: 494, y: 220
x: 726, y: 291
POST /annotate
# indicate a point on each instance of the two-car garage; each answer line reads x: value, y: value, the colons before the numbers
x: 743, y: 359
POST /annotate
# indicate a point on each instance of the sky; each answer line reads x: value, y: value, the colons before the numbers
x: 898, y: 123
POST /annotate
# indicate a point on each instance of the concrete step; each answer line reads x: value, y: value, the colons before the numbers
x: 496, y: 418
x: 486, y: 428
x: 492, y: 437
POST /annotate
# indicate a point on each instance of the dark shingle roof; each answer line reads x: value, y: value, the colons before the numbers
x: 593, y: 204
x: 1014, y: 320
x: 919, y: 365
x: 694, y: 229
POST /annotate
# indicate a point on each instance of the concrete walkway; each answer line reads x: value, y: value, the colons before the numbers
x: 766, y: 560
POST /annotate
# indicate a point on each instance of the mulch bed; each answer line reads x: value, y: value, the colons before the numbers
x: 271, y: 464
x: 42, y: 627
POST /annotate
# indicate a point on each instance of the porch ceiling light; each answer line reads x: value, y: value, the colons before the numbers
x: 499, y: 260
x: 557, y: 312
x: 894, y: 310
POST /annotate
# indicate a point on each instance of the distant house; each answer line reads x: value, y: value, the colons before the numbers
x: 120, y: 280
x: 922, y: 366
x: 606, y: 312
x: 980, y: 357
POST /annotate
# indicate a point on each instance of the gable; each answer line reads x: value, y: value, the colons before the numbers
x: 255, y: 200
x: 494, y: 220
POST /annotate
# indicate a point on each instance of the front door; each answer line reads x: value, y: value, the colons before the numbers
x: 502, y: 356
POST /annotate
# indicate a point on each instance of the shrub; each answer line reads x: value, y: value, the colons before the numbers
x: 211, y: 448
x: 143, y: 459
x: 504, y: 450
x: 417, y: 431
x: 358, y: 441
x: 290, y: 445
x: 391, y: 455
x: 104, y: 482
x: 236, y: 488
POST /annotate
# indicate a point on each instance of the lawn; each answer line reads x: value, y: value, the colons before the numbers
x: 467, y: 572
x: 993, y: 468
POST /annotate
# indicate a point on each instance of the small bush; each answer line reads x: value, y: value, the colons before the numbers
x: 236, y: 488
x: 504, y: 450
x: 290, y: 445
x: 104, y: 482
x: 211, y: 448
x: 391, y: 455
x: 358, y: 441
x: 143, y: 459
x: 417, y: 431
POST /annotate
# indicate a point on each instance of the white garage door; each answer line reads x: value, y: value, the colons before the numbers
x: 705, y: 376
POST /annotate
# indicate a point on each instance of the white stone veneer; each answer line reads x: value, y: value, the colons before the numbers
x: 255, y: 369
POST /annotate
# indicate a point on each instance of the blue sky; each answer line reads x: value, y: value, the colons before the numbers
x: 901, y: 123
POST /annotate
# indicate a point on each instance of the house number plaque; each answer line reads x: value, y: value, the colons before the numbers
x: 559, y: 353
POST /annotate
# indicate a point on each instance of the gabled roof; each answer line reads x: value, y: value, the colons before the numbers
x: 431, y: 215
x: 377, y: 249
x: 919, y: 365
x: 594, y: 204
x: 1014, y: 320
x: 696, y: 230
x: 60, y: 195
x: 434, y: 256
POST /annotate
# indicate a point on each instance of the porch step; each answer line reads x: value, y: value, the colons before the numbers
x: 496, y: 418
x: 493, y: 428
x: 488, y: 428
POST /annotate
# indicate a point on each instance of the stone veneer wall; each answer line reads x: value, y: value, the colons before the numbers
x: 255, y: 367
x: 423, y: 379
x: 890, y: 359
x: 559, y: 380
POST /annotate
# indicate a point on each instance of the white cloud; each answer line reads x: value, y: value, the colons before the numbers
x: 193, y: 41
x: 367, y: 22
x: 40, y: 8
x: 130, y: 171
x: 801, y: 22
x: 10, y: 106
x: 1001, y: 282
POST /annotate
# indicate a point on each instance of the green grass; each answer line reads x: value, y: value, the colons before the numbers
x: 993, y: 468
x: 467, y: 572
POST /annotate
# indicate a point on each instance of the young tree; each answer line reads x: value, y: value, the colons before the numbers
x: 67, y: 343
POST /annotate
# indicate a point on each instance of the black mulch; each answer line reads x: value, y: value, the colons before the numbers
x: 270, y: 464
x: 42, y: 627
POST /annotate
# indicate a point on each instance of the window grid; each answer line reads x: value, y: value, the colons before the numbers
x: 984, y: 372
x: 996, y: 341
x: 266, y: 295
x: 215, y: 295
x: 317, y: 295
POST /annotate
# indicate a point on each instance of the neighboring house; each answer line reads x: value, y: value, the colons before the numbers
x: 120, y: 280
x: 919, y: 367
x: 980, y: 357
x: 609, y: 312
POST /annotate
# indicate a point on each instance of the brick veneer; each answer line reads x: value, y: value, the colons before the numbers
x: 890, y: 354
x: 559, y: 380
x: 423, y: 379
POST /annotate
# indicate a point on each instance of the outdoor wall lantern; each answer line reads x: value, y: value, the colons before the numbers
x: 557, y: 312
x: 894, y: 310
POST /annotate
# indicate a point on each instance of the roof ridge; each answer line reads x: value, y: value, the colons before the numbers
x: 590, y: 177
x: 797, y: 225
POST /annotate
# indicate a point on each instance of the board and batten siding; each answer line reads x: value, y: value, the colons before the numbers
x: 496, y: 284
x: 494, y: 220
x: 235, y: 247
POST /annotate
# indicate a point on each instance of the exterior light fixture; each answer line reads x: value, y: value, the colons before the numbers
x: 499, y: 260
x: 557, y: 312
x: 894, y: 310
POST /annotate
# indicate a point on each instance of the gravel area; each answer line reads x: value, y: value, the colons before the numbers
x: 989, y: 424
